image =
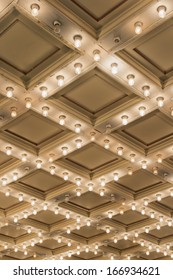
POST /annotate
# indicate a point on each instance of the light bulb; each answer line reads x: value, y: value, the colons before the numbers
x: 77, y: 128
x: 146, y: 91
x: 116, y: 177
x: 7, y: 193
x: 15, y: 249
x: 65, y: 176
x: 160, y: 101
x: 45, y: 206
x: 25, y: 215
x: 60, y: 80
x: 136, y: 234
x: 15, y: 176
x: 67, y: 215
x: 130, y: 171
x: 57, y: 26
x: 68, y: 230
x: 155, y: 170
x: 121, y: 211
x: 8, y: 150
x: 158, y: 226
x: 77, y: 41
x: 138, y: 27
x: 102, y: 192
x: 161, y: 219
x: 9, y: 92
x: 40, y: 233
x: 28, y: 104
x: 90, y: 187
x: 92, y: 134
x: 159, y: 158
x: 143, y: 211
x: 168, y: 246
x: 24, y: 157
x: 124, y: 119
x: 32, y: 243
x: 147, y: 253
x: 4, y: 182
x: 146, y: 201
x: 161, y: 11
x: 125, y: 236
x: 44, y: 92
x: 78, y: 226
x: 96, y: 55
x: 52, y: 169
x: 108, y: 230
x: 13, y: 112
x: 115, y: 239
x: 144, y: 164
x: 20, y: 197
x: 120, y: 151
x: 59, y: 239
x: 34, y: 211
x: 158, y: 250
x: 35, y: 9
x: 78, y: 181
x: 38, y: 164
x: 87, y: 249
x: 88, y: 223
x: 131, y: 79
x: 152, y: 215
x: 29, y: 230
x: 110, y: 214
x: 69, y: 243
x: 102, y: 182
x: 62, y: 119
x: 45, y: 111
x: 142, y: 243
x: 78, y: 143
x: 78, y: 68
x: 64, y: 151
x: 5, y: 246
x: 165, y: 253
x: 15, y: 219
x: 114, y: 68
x: 106, y: 144
x: 112, y: 257
x: 33, y: 201
x: 158, y: 197
x: 142, y: 110
x: 56, y: 210
x: 133, y: 206
x: 132, y: 158
x: 171, y: 192
x: 78, y: 192
x: 169, y: 223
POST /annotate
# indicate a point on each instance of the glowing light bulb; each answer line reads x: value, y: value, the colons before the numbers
x: 90, y: 187
x: 65, y: 176
x: 108, y: 230
x: 110, y: 214
x: 78, y: 181
x: 52, y: 169
x: 142, y: 243
x: 45, y: 111
x: 115, y: 239
x: 15, y: 176
x: 45, y: 206
x: 78, y: 68
x: 60, y: 80
x: 144, y: 164
x: 13, y: 112
x: 116, y: 177
x: 126, y: 236
x: 155, y: 170
x: 77, y: 41
x: 62, y: 119
x: 15, y: 219
x: 120, y: 151
x: 9, y: 92
x: 102, y: 182
x: 158, y: 197
x: 136, y: 234
x: 158, y: 226
x: 4, y: 182
x: 25, y: 215
x: 152, y: 215
x: 121, y: 211
x: 146, y: 91
x: 168, y: 246
x: 106, y: 144
x: 69, y: 243
x: 78, y: 128
x: 32, y: 243
x: 64, y: 151
x: 159, y: 158
x: 96, y: 55
x: 92, y: 136
x: 67, y: 215
x: 132, y: 158
x: 124, y: 119
x: 160, y: 101
x: 21, y: 197
x: 24, y: 157
x: 78, y: 226
x: 59, y: 239
x: 7, y: 193
x: 161, y: 219
x: 169, y: 223
x: 78, y: 143
x: 133, y: 206
x: 88, y: 223
x: 143, y: 211
x: 56, y: 210
x: 114, y: 68
x: 138, y: 27
x: 130, y: 171
x: 142, y: 110
x: 131, y: 79
x: 38, y: 164
x: 146, y: 201
x: 87, y: 249
x: 15, y: 249
x: 158, y: 250
x: 102, y: 192
x: 33, y: 201
x: 68, y: 230
x: 35, y: 9
x: 78, y: 192
x: 161, y: 11
x: 29, y: 230
x: 34, y: 211
x: 28, y: 103
x: 8, y: 150
x: 44, y: 92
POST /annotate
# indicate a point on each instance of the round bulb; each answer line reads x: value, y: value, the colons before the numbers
x: 24, y: 157
x: 9, y: 92
x: 65, y: 176
x: 77, y: 41
x: 142, y: 110
x: 38, y: 164
x: 45, y: 111
x: 102, y: 192
x: 8, y: 150
x: 124, y: 119
x: 96, y: 55
x: 78, y: 181
x: 77, y: 128
x: 78, y: 143
x: 78, y: 68
x: 64, y: 151
x: 62, y: 119
x: 78, y: 192
x: 60, y: 80
x: 146, y: 91
x: 161, y: 11
x: 90, y: 187
x: 44, y: 92
x: 160, y: 101
x: 106, y: 144
x: 102, y: 182
x: 131, y: 80
x: 13, y: 112
x: 120, y: 151
x: 114, y: 68
x: 52, y: 170
x: 138, y: 27
x: 35, y: 9
x: 116, y: 177
x: 28, y: 104
x: 144, y: 164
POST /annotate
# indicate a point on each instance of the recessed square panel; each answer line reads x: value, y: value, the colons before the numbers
x: 130, y: 217
x: 19, y: 255
x: 23, y: 48
x: 87, y: 256
x: 150, y: 129
x: 92, y: 157
x: 88, y: 232
x: 165, y: 231
x: 122, y: 244
x: 12, y: 231
x: 41, y: 180
x: 167, y: 201
x: 89, y: 200
x: 51, y: 244
x: 47, y: 217
x: 152, y: 256
x: 94, y: 93
x: 6, y: 202
x: 27, y: 126
x: 98, y: 11
x: 135, y: 183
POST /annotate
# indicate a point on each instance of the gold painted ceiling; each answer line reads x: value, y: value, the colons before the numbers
x: 86, y: 130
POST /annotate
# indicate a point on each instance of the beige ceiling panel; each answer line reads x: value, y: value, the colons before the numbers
x: 49, y: 219
x: 88, y: 232
x: 130, y: 217
x: 12, y: 231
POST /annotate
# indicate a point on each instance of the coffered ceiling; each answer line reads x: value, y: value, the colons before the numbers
x: 86, y: 129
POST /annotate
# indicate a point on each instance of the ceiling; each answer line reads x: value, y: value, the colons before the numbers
x: 86, y: 160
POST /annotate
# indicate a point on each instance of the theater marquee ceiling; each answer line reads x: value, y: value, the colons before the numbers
x: 86, y: 129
